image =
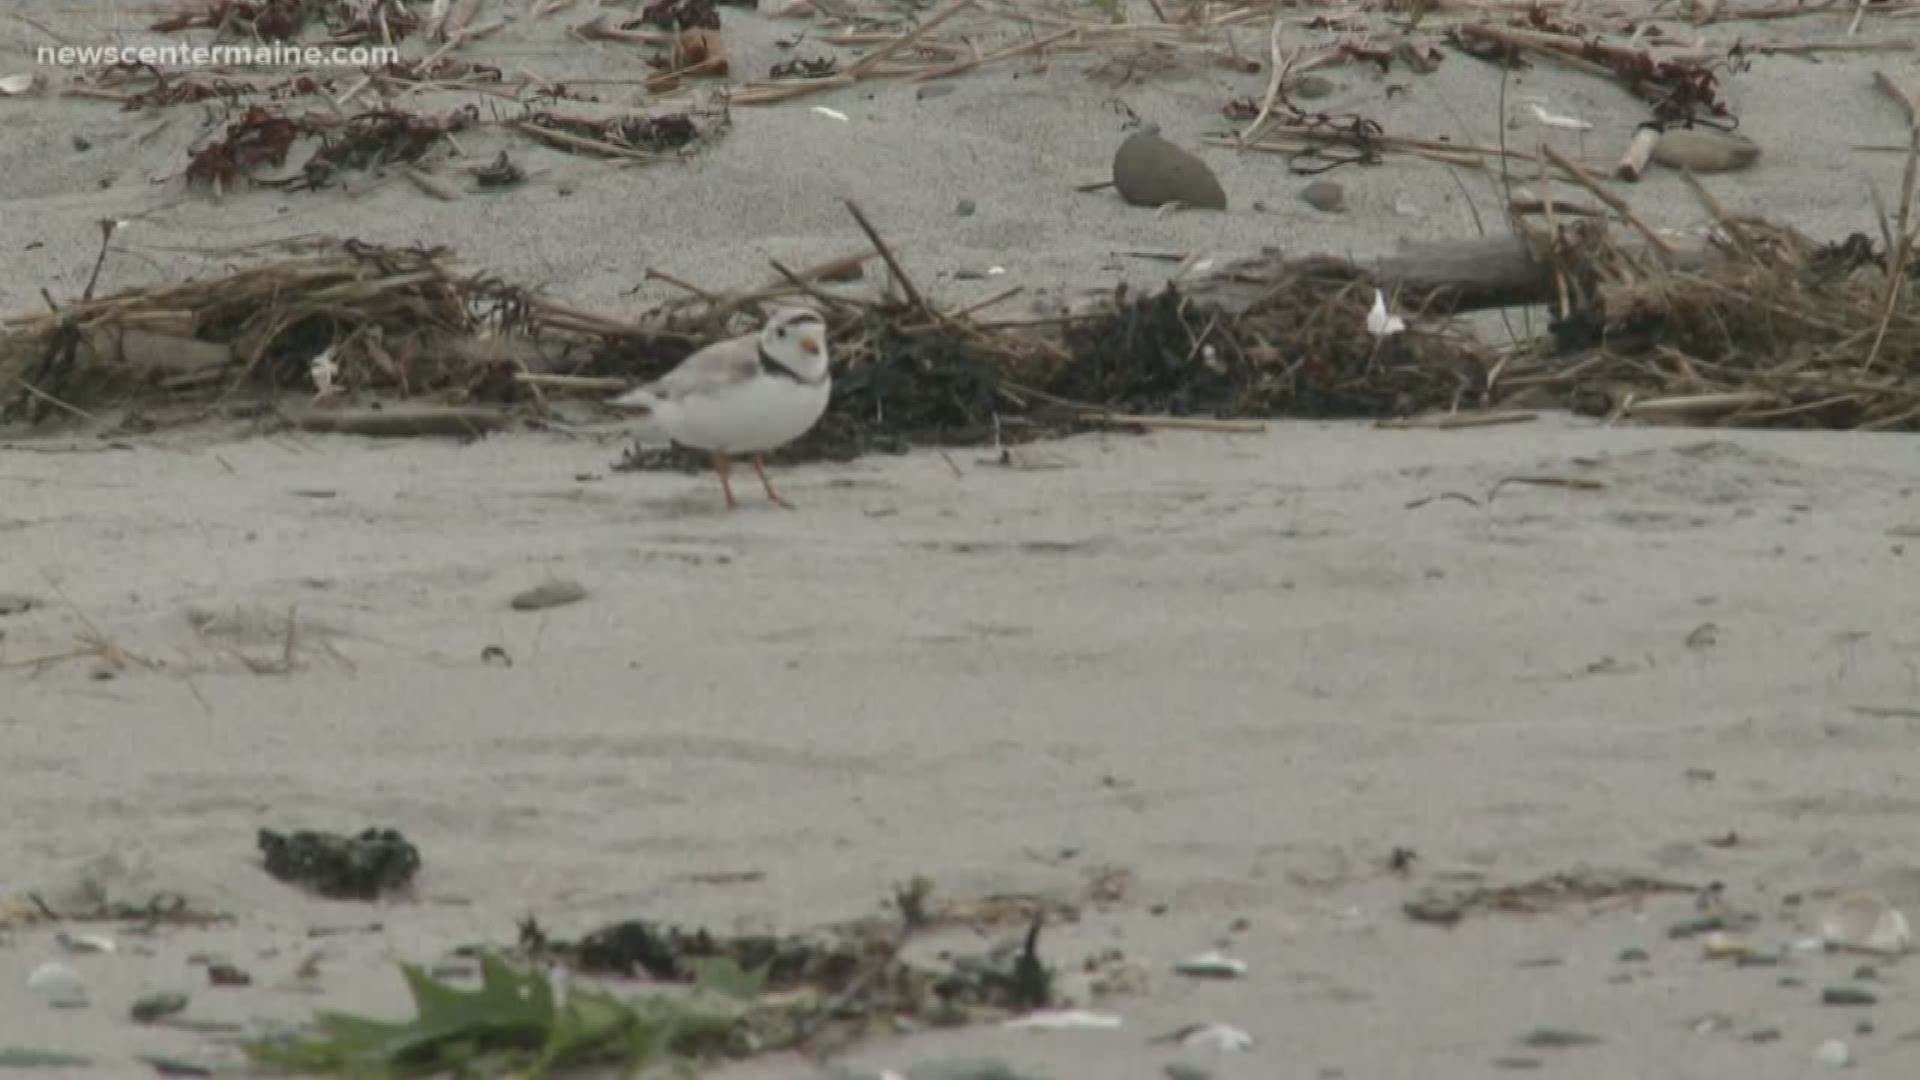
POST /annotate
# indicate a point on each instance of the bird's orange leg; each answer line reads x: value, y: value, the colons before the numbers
x: 760, y: 466
x: 726, y: 486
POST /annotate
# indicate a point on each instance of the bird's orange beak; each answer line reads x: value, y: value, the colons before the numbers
x: 810, y: 346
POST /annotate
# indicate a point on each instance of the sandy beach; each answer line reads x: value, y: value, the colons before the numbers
x: 1264, y: 689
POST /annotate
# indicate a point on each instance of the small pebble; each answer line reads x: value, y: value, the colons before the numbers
x: 1557, y: 1039
x: 228, y: 975
x: 964, y: 208
x: 1846, y: 995
x: 1325, y: 195
x: 1310, y: 87
x: 81, y: 144
x: 157, y: 1006
x: 550, y: 595
x: 1634, y: 956
x: 1834, y: 1053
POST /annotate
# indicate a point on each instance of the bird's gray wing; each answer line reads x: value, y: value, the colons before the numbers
x: 716, y: 367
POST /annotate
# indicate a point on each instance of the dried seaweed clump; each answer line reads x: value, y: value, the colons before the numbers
x: 342, y: 867
x: 1302, y: 349
x: 1770, y: 329
x: 385, y: 318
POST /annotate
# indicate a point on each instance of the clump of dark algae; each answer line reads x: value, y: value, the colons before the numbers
x: 342, y: 867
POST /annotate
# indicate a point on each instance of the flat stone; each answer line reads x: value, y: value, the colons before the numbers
x: 1150, y: 171
x: 1310, y: 88
x: 552, y: 594
x: 1325, y: 196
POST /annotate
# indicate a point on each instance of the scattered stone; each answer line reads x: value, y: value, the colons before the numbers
x: 1310, y: 87
x: 19, y: 1057
x: 1705, y: 151
x: 342, y: 867
x: 1325, y: 196
x: 1557, y: 1039
x: 228, y: 975
x: 167, y: 1066
x: 1634, y: 956
x: 1834, y: 1053
x: 158, y: 1006
x: 1150, y: 171
x: 17, y: 603
x: 552, y: 594
x: 1765, y: 1035
x: 81, y: 144
x: 964, y: 208
x: 1846, y: 995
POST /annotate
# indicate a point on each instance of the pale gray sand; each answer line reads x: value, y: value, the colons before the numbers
x: 1238, y: 666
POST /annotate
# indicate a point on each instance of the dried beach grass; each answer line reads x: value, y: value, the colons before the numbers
x: 1772, y: 329
x: 1768, y: 328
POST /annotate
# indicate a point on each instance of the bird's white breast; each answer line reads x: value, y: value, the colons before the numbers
x: 760, y: 414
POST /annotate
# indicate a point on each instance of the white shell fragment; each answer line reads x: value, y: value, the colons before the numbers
x: 1211, y: 964
x: 1066, y: 1020
x: 16, y: 84
x: 1379, y: 322
x: 1864, y: 922
x: 59, y: 982
x: 1222, y: 1037
x: 831, y: 114
x: 323, y: 369
x: 1554, y: 120
x: 88, y: 943
x: 1833, y: 1053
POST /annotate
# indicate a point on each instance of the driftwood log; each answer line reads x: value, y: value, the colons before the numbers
x: 1437, y: 277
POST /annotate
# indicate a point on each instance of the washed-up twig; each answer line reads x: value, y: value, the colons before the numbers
x: 893, y: 264
x: 1178, y: 423
x: 1614, y: 202
x: 1457, y: 421
x: 1569, y: 482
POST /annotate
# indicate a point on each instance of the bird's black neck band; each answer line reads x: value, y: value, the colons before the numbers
x: 779, y: 370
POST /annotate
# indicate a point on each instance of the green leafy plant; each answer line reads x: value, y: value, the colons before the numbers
x: 515, y: 1023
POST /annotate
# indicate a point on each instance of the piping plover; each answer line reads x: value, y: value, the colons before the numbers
x: 744, y: 395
